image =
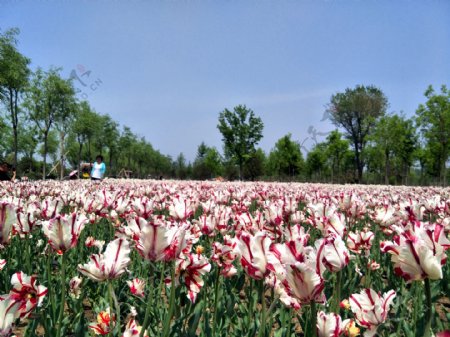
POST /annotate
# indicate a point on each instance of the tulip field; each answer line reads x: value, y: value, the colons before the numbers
x: 223, y: 259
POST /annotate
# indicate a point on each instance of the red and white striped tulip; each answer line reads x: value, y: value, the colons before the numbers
x: 420, y: 253
x: 159, y: 241
x: 9, y: 311
x: 26, y: 292
x: 63, y: 231
x: 110, y: 265
x: 330, y: 325
x: 7, y: 219
x: 137, y: 287
x: 371, y: 309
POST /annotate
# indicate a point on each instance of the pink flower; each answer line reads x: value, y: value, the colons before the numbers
x: 419, y: 254
x: 9, y: 312
x: 26, y: 292
x: 63, y: 231
x: 224, y: 256
x: 157, y: 241
x: 181, y: 208
x: 101, y: 327
x: 332, y: 253
x: 330, y: 325
x: 132, y: 329
x: 2, y: 263
x: 191, y: 268
x: 137, y: 287
x: 109, y: 265
x: 304, y: 282
x: 92, y: 242
x: 7, y: 218
x: 74, y: 286
x: 371, y: 309
x: 360, y: 241
x: 256, y: 257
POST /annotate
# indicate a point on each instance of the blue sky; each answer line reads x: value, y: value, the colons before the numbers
x: 167, y: 68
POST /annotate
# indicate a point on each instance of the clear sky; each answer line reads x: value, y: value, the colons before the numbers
x: 167, y: 68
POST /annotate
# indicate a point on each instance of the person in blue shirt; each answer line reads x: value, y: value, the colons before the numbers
x: 98, y: 168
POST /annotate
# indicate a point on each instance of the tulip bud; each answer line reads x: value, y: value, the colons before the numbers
x: 352, y: 330
x: 345, y: 304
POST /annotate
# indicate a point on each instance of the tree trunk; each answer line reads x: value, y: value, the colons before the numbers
x: 386, y: 167
x: 61, y: 160
x: 359, y: 165
x: 80, y: 148
x: 14, y: 120
x: 44, y: 168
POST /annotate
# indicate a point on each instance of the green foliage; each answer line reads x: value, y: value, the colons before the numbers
x: 356, y: 111
x: 208, y: 163
x: 241, y: 131
x: 433, y: 118
x: 14, y: 74
x: 285, y: 159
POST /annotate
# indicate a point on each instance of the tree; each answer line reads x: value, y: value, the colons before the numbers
x: 357, y: 110
x: 208, y: 163
x: 180, y: 167
x: 48, y: 101
x: 241, y: 131
x: 433, y: 118
x: 286, y: 158
x: 316, y: 161
x: 110, y: 138
x: 14, y: 74
x: 84, y: 128
x: 336, y: 150
x: 254, y: 166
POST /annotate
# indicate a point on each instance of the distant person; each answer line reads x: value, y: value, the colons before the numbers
x: 98, y: 168
x: 4, y: 172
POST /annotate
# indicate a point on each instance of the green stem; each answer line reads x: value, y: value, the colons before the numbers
x: 50, y: 293
x: 111, y: 326
x: 63, y: 295
x: 428, y: 313
x: 289, y: 323
x: 116, y: 303
x: 149, y: 303
x: 216, y: 299
x: 169, y: 315
x: 161, y: 281
x: 313, y: 319
x: 262, y: 327
x: 337, y: 291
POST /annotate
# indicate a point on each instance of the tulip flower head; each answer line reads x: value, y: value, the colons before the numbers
x: 102, y: 326
x: 110, y: 265
x: 137, y: 287
x: 330, y: 325
x: 158, y: 241
x: 9, y: 311
x: 191, y: 268
x: 371, y: 309
x: 74, y: 287
x: 419, y: 253
x: 256, y: 257
x: 26, y: 292
x: 7, y: 218
x: 63, y: 231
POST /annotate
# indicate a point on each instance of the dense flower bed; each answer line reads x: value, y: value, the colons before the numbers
x: 169, y: 258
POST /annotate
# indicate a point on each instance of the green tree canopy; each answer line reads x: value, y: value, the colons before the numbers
x: 433, y: 118
x: 356, y: 111
x: 14, y: 76
x: 286, y: 158
x: 241, y: 131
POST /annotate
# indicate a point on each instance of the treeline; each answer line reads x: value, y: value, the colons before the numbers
x: 47, y: 132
